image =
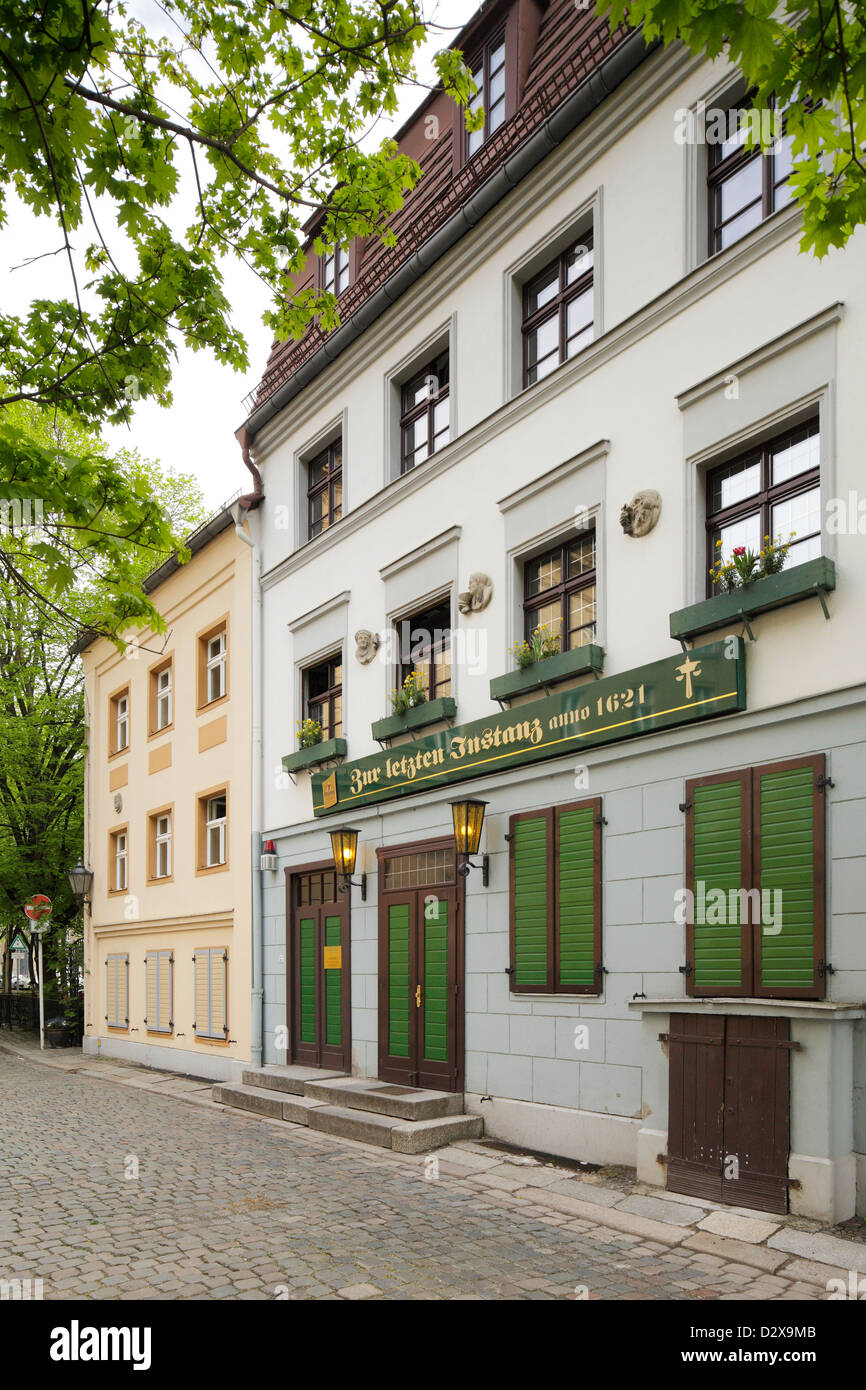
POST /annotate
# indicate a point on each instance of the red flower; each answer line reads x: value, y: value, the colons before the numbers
x: 739, y: 550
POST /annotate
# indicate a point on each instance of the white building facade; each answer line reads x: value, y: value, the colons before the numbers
x: 609, y: 311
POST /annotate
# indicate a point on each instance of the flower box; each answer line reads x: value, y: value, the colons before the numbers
x: 306, y: 758
x: 418, y: 717
x: 551, y: 670
x: 762, y: 595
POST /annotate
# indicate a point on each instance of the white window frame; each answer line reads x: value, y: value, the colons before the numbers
x: 162, y: 841
x: 121, y: 861
x: 218, y: 823
x: 164, y: 698
x: 336, y: 269
x: 216, y: 662
x: 121, y: 722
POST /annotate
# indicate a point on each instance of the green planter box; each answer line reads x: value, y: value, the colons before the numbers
x: 777, y: 590
x: 431, y: 712
x: 549, y: 671
x: 311, y: 757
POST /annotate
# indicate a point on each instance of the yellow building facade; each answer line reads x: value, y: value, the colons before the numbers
x: 167, y: 820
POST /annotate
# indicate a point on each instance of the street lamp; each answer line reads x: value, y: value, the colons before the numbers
x: 344, y: 847
x: 81, y: 881
x: 468, y: 820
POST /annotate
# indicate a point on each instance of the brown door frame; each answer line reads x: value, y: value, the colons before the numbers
x: 454, y: 1079
x: 344, y: 905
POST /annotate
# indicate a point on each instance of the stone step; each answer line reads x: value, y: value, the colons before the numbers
x: 275, y: 1104
x: 404, y: 1136
x: 292, y: 1079
x: 382, y: 1098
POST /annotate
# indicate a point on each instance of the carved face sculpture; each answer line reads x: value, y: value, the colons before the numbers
x: 477, y: 596
x: 640, y: 515
x: 366, y: 645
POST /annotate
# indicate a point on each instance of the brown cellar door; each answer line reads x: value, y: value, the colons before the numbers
x: 729, y: 1109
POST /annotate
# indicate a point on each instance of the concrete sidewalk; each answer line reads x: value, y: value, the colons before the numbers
x: 782, y: 1248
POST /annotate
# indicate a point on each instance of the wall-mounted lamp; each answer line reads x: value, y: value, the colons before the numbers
x: 81, y: 882
x: 344, y: 847
x: 269, y: 859
x: 468, y: 820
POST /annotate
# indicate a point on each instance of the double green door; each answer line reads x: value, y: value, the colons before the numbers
x: 419, y: 988
x: 319, y: 984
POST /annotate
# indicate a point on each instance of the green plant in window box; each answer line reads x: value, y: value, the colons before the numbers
x: 412, y: 692
x: 745, y: 566
x: 542, y: 644
x: 309, y: 733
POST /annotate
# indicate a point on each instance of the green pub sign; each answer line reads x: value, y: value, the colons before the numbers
x: 678, y: 690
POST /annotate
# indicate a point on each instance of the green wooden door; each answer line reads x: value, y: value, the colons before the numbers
x: 318, y: 976
x: 419, y: 990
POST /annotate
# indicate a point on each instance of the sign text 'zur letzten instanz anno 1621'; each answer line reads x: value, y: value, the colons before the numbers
x: 678, y: 690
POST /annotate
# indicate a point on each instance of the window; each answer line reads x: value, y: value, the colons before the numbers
x: 559, y: 593
x: 770, y: 491
x: 211, y: 831
x: 118, y: 861
x: 335, y: 270
x: 210, y: 993
x: 558, y: 311
x: 325, y: 489
x: 161, y: 698
x: 160, y: 823
x: 425, y: 413
x: 117, y: 991
x: 424, y: 648
x: 744, y: 186
x: 159, y: 972
x: 323, y: 695
x: 213, y: 664
x: 755, y: 875
x: 488, y: 72
x: 119, y: 722
x: 555, y: 864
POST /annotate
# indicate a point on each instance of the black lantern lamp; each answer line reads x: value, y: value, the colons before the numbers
x: 468, y: 820
x: 81, y: 881
x: 344, y: 847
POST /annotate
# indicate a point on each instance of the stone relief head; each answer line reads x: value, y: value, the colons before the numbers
x: 366, y: 645
x: 118, y: 802
x: 639, y: 516
x: 477, y: 596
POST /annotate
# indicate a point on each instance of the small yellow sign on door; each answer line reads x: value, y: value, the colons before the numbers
x: 333, y: 957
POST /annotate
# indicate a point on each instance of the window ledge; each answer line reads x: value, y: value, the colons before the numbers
x: 815, y: 577
x: 430, y: 712
x: 827, y: 1009
x: 305, y: 758
x: 552, y: 670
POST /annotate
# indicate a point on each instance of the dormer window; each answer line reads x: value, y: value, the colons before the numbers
x: 335, y: 270
x: 488, y: 72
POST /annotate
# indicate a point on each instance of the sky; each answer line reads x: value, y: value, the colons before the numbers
x: 195, y: 434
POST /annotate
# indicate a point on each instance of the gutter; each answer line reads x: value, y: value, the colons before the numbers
x: 609, y: 75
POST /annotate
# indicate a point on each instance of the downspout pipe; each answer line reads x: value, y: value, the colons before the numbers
x: 242, y: 510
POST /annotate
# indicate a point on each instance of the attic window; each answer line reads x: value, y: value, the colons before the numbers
x: 335, y: 270
x: 488, y: 72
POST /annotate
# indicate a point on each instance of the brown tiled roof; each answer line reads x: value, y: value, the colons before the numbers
x: 571, y: 44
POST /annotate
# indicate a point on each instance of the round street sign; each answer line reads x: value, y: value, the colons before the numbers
x: 38, y: 908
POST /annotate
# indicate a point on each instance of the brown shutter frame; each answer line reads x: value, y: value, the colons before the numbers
x: 744, y: 777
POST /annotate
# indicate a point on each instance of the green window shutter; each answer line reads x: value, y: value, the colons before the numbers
x: 436, y: 980
x: 578, y: 846
x: 531, y: 899
x: 333, y: 987
x: 717, y: 863
x: 789, y: 815
x: 398, y: 980
x: 307, y: 928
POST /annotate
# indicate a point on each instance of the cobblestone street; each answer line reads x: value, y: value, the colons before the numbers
x: 227, y: 1207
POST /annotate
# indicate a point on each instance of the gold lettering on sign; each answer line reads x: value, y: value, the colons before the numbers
x: 687, y: 670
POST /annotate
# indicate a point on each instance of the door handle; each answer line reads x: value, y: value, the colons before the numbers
x: 417, y: 996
